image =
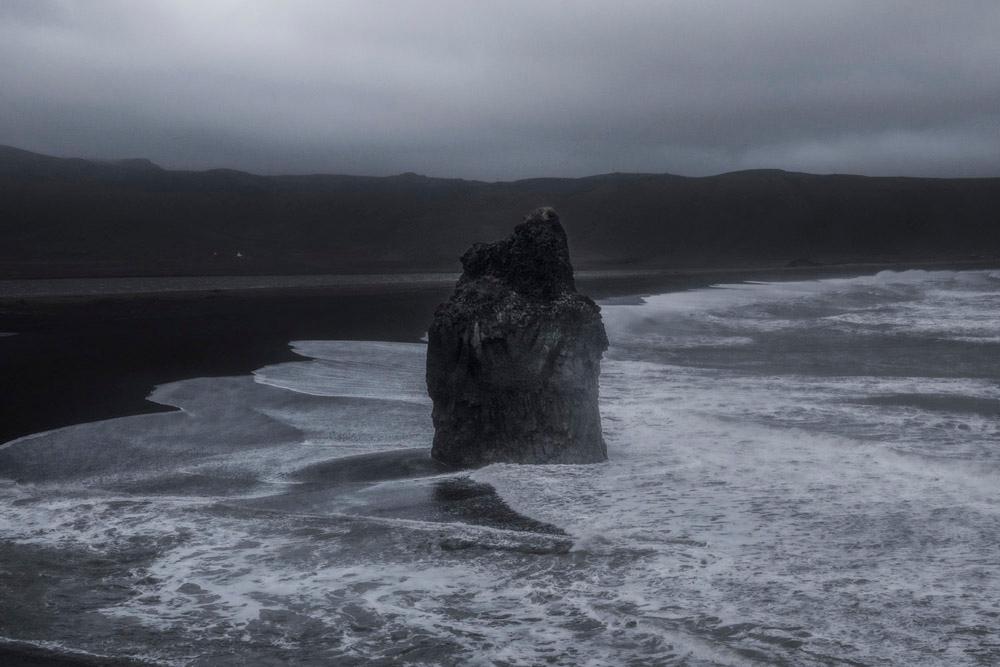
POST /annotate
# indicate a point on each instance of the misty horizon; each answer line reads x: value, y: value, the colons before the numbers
x: 410, y: 172
x: 530, y: 90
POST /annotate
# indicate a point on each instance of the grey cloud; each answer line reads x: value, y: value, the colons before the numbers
x: 508, y: 90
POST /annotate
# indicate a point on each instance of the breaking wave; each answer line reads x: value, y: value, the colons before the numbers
x: 800, y: 473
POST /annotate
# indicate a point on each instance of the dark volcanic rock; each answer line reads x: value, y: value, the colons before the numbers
x: 513, y: 357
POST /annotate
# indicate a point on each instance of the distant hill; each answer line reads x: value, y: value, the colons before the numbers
x: 130, y: 217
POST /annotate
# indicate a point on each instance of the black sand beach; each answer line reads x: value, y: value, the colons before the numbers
x: 82, y: 358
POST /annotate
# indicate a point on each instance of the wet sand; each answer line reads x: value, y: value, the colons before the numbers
x: 76, y: 360
x: 82, y: 358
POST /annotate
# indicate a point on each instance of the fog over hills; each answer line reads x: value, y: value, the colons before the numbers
x: 75, y: 217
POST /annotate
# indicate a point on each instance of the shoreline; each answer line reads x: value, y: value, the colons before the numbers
x: 15, y: 290
x: 81, y: 358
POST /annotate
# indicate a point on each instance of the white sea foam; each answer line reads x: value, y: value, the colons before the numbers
x: 942, y: 303
x: 362, y: 369
x: 799, y: 473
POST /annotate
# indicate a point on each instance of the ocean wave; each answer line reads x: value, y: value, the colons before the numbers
x: 800, y: 472
x: 360, y: 369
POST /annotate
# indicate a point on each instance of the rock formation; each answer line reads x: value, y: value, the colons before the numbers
x: 513, y: 357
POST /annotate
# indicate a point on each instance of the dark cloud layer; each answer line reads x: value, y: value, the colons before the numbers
x: 508, y: 89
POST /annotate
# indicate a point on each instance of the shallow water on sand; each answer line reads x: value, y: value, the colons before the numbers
x: 799, y: 473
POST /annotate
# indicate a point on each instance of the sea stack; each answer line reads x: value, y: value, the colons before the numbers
x: 513, y: 358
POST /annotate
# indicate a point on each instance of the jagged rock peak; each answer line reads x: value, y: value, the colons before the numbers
x: 534, y: 260
x: 513, y: 357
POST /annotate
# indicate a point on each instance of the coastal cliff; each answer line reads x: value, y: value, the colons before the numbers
x: 514, y: 356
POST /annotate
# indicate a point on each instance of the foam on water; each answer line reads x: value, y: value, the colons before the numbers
x: 362, y: 369
x: 800, y: 473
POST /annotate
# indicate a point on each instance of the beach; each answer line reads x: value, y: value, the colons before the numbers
x: 86, y: 354
x: 270, y: 498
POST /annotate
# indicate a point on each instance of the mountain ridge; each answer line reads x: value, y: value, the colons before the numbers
x: 75, y: 217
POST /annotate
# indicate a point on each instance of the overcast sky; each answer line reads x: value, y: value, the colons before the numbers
x: 508, y: 89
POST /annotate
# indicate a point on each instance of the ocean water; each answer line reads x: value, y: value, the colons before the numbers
x: 800, y: 473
